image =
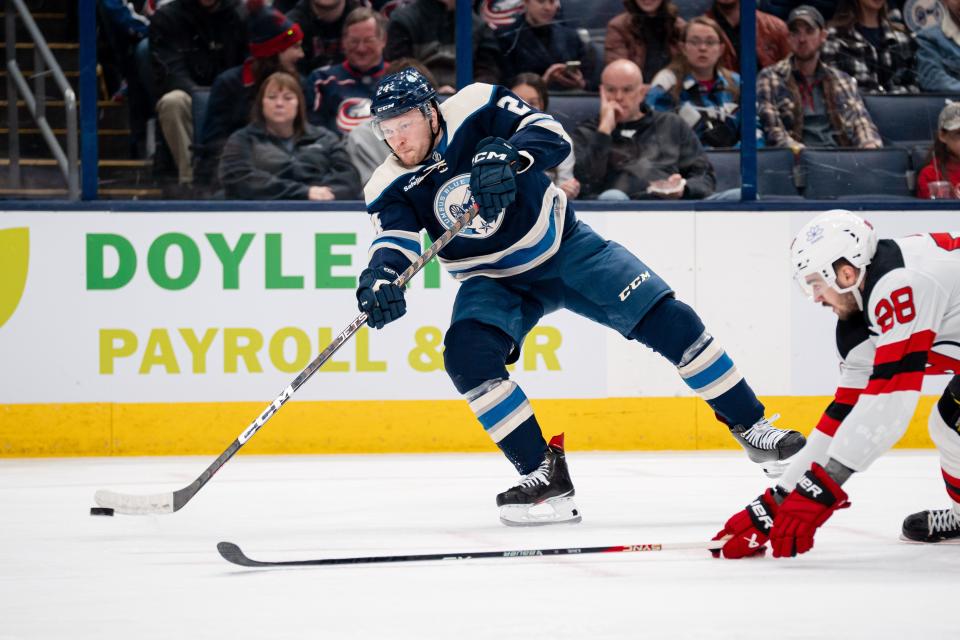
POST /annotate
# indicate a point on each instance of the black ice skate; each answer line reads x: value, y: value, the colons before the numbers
x: 941, y: 525
x: 544, y: 496
x: 768, y: 446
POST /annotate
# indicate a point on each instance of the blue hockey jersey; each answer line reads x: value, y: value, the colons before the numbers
x: 338, y: 96
x: 403, y: 200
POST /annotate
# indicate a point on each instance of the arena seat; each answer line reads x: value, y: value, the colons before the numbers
x: 775, y: 169
x: 855, y: 173
x: 906, y: 120
x: 570, y: 110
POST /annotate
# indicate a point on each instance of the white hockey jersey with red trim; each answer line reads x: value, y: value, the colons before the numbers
x: 910, y: 328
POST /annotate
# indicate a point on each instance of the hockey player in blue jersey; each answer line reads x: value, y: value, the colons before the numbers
x: 524, y: 255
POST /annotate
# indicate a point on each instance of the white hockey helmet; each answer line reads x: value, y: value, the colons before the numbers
x: 832, y: 235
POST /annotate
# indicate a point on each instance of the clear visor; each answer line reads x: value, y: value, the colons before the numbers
x: 398, y: 125
x: 813, y: 284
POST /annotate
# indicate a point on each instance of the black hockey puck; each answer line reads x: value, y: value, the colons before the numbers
x: 101, y: 511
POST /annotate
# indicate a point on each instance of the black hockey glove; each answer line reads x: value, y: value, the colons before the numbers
x: 493, y: 180
x: 379, y: 298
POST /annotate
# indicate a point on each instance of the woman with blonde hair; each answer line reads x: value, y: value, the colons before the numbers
x: 281, y: 156
x: 696, y: 87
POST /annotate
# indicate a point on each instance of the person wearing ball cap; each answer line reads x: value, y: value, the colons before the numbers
x: 944, y: 155
x: 275, y: 44
x: 803, y: 102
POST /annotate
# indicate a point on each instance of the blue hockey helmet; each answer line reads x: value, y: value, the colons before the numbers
x: 398, y: 93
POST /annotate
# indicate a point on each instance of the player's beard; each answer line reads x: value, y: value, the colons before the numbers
x: 846, y: 307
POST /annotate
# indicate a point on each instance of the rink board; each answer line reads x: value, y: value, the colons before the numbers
x: 167, y: 333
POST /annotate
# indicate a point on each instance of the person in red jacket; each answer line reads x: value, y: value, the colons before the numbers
x: 944, y: 157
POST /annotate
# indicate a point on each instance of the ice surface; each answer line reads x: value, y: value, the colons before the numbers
x: 67, y: 575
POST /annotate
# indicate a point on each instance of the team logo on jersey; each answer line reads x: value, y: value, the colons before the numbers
x: 352, y: 113
x: 453, y: 199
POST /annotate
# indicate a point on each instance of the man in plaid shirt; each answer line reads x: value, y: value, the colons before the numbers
x: 806, y: 103
x: 873, y: 45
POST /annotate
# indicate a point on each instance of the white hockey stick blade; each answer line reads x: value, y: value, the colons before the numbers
x: 135, y: 505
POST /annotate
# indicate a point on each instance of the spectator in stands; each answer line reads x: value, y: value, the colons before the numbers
x: 536, y: 43
x: 191, y: 42
x: 771, y: 34
x: 804, y: 102
x: 425, y: 30
x: 633, y: 152
x: 338, y: 96
x: 322, y: 25
x: 123, y: 29
x: 531, y: 88
x: 281, y: 156
x: 938, y: 55
x: 874, y: 49
x: 275, y: 44
x: 694, y: 86
x: 366, y: 151
x: 647, y: 33
x: 944, y: 156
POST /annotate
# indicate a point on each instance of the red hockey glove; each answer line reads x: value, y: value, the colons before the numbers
x: 807, y: 507
x: 748, y: 529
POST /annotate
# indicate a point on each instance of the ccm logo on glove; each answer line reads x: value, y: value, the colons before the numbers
x: 489, y: 155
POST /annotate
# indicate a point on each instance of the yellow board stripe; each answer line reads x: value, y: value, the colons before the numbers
x: 609, y: 424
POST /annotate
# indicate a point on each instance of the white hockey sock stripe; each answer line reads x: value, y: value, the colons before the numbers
x: 502, y: 409
x: 704, y: 359
x: 712, y: 373
x: 490, y: 396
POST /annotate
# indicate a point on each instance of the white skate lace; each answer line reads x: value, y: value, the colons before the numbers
x: 539, y: 476
x: 763, y: 435
x: 943, y: 520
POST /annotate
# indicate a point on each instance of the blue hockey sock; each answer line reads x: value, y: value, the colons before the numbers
x: 507, y: 417
x: 711, y: 373
x: 674, y: 330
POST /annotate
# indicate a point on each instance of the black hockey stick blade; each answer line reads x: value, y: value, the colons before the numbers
x: 232, y: 553
x: 169, y: 502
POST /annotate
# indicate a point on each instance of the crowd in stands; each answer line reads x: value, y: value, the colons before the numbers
x: 255, y: 100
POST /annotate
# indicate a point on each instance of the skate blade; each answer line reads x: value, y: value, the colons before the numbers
x: 552, y: 511
x: 903, y: 538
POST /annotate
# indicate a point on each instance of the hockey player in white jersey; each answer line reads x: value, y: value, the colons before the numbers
x: 898, y: 308
x: 524, y: 255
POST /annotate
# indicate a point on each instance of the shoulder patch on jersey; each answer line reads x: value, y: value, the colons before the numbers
x: 383, y: 176
x: 665, y: 78
x: 460, y: 106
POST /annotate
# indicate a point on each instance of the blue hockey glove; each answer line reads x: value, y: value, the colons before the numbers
x: 493, y: 180
x: 379, y: 298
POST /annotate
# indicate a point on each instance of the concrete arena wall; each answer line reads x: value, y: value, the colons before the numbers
x: 150, y: 334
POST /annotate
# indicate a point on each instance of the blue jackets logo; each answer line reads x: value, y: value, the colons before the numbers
x: 453, y: 199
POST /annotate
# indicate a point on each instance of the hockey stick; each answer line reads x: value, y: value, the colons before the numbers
x: 232, y: 553
x: 174, y: 501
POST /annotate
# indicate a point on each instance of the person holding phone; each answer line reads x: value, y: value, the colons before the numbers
x: 537, y: 43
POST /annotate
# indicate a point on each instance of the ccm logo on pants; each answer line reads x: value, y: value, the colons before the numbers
x: 639, y: 280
